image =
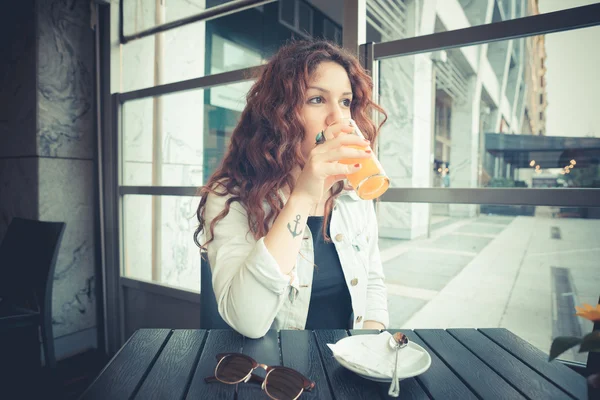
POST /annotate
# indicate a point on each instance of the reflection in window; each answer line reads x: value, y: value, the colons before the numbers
x: 332, y: 32
x: 297, y: 16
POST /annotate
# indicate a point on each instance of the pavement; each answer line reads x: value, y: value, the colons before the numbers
x: 525, y: 274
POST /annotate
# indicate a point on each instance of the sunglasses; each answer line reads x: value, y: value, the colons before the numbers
x: 280, y: 383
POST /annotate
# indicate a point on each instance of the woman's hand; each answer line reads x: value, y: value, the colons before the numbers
x: 322, y: 168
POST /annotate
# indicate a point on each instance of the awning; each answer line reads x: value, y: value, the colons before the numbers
x: 546, y: 151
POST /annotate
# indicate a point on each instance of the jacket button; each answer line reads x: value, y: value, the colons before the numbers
x: 339, y: 237
x: 354, y: 282
x: 358, y: 319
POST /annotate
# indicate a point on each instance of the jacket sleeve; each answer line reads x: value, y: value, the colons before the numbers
x: 248, y: 284
x: 377, y: 306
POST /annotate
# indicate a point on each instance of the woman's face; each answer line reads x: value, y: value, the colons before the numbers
x: 328, y: 99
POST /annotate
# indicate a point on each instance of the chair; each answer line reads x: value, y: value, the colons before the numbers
x: 209, y: 312
x: 27, y: 261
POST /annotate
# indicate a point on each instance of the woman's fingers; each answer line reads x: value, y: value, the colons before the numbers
x: 341, y: 154
x: 342, y: 140
x: 338, y: 171
x: 333, y: 130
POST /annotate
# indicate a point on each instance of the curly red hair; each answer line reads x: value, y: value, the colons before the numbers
x: 265, y: 145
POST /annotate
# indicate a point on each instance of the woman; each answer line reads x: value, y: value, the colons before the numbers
x: 268, y: 213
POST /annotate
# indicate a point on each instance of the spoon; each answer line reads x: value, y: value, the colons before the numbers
x: 397, y: 342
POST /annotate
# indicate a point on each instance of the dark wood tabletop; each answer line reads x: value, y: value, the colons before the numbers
x: 466, y: 364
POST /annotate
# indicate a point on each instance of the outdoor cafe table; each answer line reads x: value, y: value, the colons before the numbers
x: 466, y: 364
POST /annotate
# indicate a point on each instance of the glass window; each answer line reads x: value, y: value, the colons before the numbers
x: 179, y: 139
x: 486, y: 126
x: 157, y: 240
x: 305, y: 18
x: 238, y: 40
x: 332, y: 32
x: 143, y: 14
x: 287, y: 12
x: 195, y: 50
x: 523, y: 268
x: 398, y: 19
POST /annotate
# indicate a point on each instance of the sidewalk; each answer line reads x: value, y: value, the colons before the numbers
x: 498, y: 272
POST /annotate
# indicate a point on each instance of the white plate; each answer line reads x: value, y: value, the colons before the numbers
x: 408, y: 371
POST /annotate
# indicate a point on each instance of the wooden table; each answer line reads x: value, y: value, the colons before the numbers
x: 466, y: 364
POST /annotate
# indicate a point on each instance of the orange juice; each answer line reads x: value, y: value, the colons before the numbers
x: 370, y: 181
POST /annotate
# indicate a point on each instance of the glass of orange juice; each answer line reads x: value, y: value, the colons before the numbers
x: 370, y: 181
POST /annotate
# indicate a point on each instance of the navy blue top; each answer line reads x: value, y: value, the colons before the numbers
x: 330, y: 303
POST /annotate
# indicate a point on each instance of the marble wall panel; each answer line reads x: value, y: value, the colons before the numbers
x: 65, y: 75
x: 396, y: 142
x: 66, y: 193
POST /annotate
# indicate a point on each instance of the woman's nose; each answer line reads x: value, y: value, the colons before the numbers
x: 336, y: 113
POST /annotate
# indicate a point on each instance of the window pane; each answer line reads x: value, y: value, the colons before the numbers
x: 497, y: 268
x: 239, y: 40
x: 194, y: 50
x: 157, y: 240
x: 305, y: 18
x: 486, y: 126
x: 192, y: 130
x: 287, y: 12
x: 392, y: 20
x: 141, y: 15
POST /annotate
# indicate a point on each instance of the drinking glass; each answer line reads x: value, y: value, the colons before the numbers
x: 370, y: 181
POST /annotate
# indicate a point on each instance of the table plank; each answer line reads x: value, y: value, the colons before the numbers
x: 523, y: 378
x: 299, y: 351
x: 567, y: 379
x: 174, y: 368
x: 409, y: 388
x: 126, y: 371
x: 439, y: 381
x: 477, y: 375
x: 265, y: 351
x: 344, y: 383
x: 217, y: 341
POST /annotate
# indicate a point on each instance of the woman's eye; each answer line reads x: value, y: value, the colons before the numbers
x: 347, y: 102
x: 316, y: 100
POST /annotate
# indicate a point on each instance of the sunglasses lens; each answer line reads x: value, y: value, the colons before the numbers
x: 233, y: 368
x: 284, y: 384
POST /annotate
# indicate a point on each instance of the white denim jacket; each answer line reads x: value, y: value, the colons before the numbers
x: 252, y: 293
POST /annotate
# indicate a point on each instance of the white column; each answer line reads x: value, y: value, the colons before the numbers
x: 464, y: 153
